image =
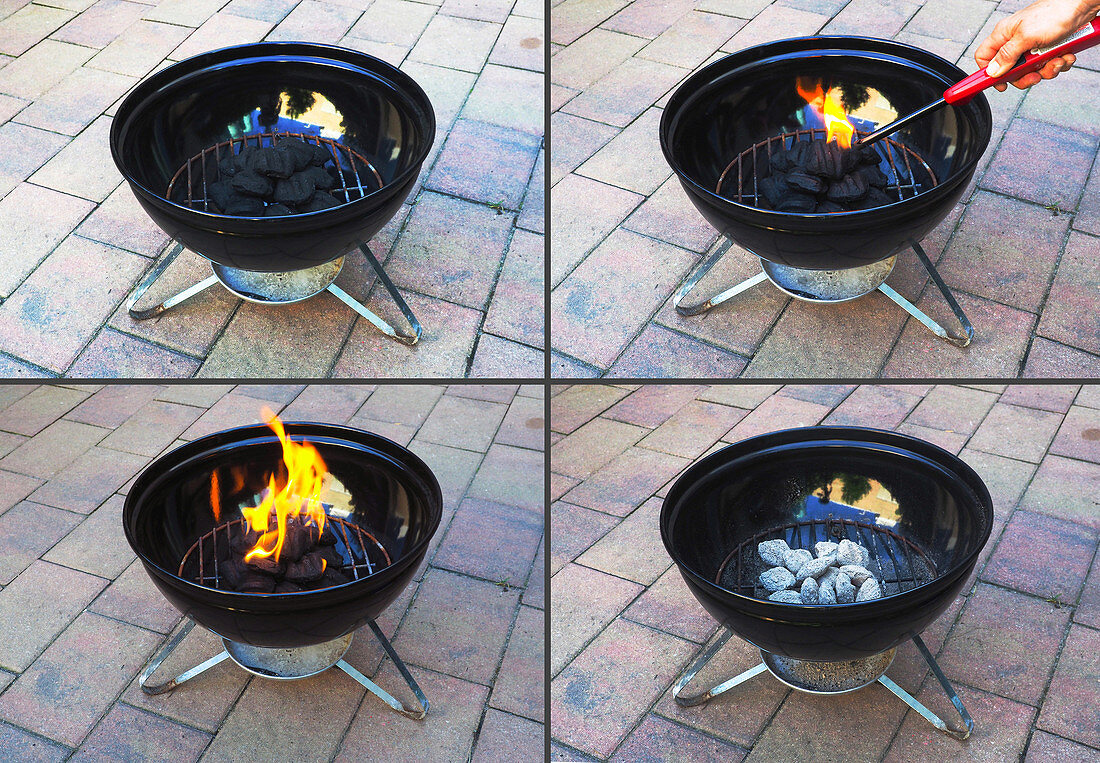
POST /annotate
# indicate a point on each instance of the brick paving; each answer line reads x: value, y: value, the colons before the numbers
x: 1018, y: 250
x: 465, y: 251
x: 79, y: 616
x: 1020, y: 644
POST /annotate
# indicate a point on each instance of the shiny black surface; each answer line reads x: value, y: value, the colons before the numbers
x: 913, y: 488
x: 378, y: 484
x: 752, y: 95
x: 355, y: 99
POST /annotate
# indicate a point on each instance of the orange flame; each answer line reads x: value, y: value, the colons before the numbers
x: 299, y: 497
x: 830, y: 110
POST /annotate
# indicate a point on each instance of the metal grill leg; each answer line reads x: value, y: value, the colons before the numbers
x: 928, y: 715
x: 151, y: 278
x: 955, y: 339
x: 410, y: 338
x: 162, y: 654
x: 703, y: 656
x: 699, y: 273
x: 378, y: 691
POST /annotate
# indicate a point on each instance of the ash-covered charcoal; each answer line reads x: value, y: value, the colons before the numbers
x: 845, y: 591
x: 777, y: 578
x: 850, y: 188
x: 874, y: 176
x: 869, y: 590
x: 795, y: 558
x: 256, y: 582
x: 320, y: 200
x: 830, y: 576
x: 805, y: 182
x: 250, y: 183
x: 307, y: 569
x: 850, y: 553
x: 856, y: 573
x: 826, y: 594
x: 825, y: 548
x: 773, y: 552
x: 809, y: 591
x: 786, y: 597
x: 272, y: 162
x: 814, y: 568
x: 277, y: 210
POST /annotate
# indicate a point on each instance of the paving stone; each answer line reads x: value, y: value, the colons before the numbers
x: 231, y: 411
x: 1016, y: 657
x: 657, y: 738
x: 456, y: 43
x: 1016, y: 432
x: 668, y: 605
x: 872, y: 18
x: 491, y: 541
x: 583, y: 602
x: 401, y: 403
x: 693, y: 429
x: 692, y: 39
x: 585, y: 212
x: 524, y: 424
x: 52, y: 449
x: 1023, y: 557
x: 89, y: 480
x: 516, y: 310
x: 199, y: 395
x: 1006, y: 478
x: 111, y: 405
x: 668, y: 215
x: 575, y: 529
x: 1079, y: 435
x: 575, y: 139
x: 30, y: 414
x: 42, y: 67
x: 1068, y: 707
x: 394, y: 21
x: 456, y: 707
x: 519, y: 684
x: 633, y: 549
x: 629, y: 160
x: 951, y: 20
x: 446, y: 88
x: 535, y: 594
x: 153, y: 428
x: 23, y: 150
x: 591, y: 57
x: 873, y: 405
x: 133, y: 598
x: 68, y: 688
x: 953, y: 408
x: 24, y: 746
x: 1065, y: 488
x: 220, y: 30
x: 651, y: 18
x: 520, y: 44
x: 315, y: 21
x: 139, y: 48
x: 486, y: 163
x: 600, y: 696
x: 55, y: 595
x: 14, y: 488
x: 97, y: 545
x: 265, y: 10
x: 776, y: 22
x: 330, y: 403
x: 1064, y: 101
x: 654, y: 404
x: 627, y: 91
x: 494, y: 481
x: 127, y: 733
x: 592, y: 446
x: 115, y: 355
x: 1027, y: 147
x: 506, y: 737
x: 458, y: 625
x: 29, y: 25
x: 1075, y: 282
x: 511, y: 98
x: 1044, y: 747
x: 660, y: 353
x: 77, y: 100
x: 101, y: 23
x: 627, y: 481
x: 774, y: 414
x: 498, y: 358
x: 65, y: 300
x: 1045, y: 397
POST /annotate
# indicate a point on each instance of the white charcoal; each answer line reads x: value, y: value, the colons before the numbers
x: 829, y: 576
x: 794, y: 559
x: 826, y: 594
x: 814, y: 568
x: 773, y: 552
x: 825, y: 548
x: 809, y: 591
x: 786, y: 597
x: 845, y: 591
x: 777, y: 578
x: 869, y: 590
x: 849, y: 553
x: 856, y: 573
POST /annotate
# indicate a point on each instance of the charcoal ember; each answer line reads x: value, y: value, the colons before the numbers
x: 272, y: 162
x: 795, y: 558
x: 320, y: 200
x: 250, y: 183
x: 857, y: 573
x: 875, y: 198
x: 869, y: 590
x: 297, y: 540
x: 220, y: 193
x: 333, y: 577
x: 330, y: 555
x: 307, y: 569
x: 850, y: 553
x: 809, y: 591
x: 786, y: 597
x: 266, y: 564
x: 242, y: 543
x: 328, y: 537
x: 814, y: 568
x: 826, y: 593
x: 287, y: 587
x: 851, y: 188
x: 874, y: 175
x: 775, y: 189
x: 827, y: 160
x: 300, y: 151
x: 255, y: 582
x: 244, y: 206
x: 295, y: 190
x: 845, y: 591
x: 797, y: 202
x: 322, y: 178
x: 277, y: 210
x: 829, y: 207
x: 773, y: 551
x: 777, y: 578
x: 825, y: 548
x: 805, y: 182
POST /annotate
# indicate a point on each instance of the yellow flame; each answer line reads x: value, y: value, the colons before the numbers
x: 829, y: 109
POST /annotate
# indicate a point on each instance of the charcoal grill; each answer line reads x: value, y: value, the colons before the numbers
x: 383, y: 504
x: 922, y: 513
x: 375, y: 122
x: 731, y: 114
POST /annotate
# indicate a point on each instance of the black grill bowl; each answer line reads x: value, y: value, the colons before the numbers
x: 750, y: 96
x: 386, y: 489
x: 173, y: 115
x: 913, y: 489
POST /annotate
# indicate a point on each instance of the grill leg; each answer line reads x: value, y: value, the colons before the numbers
x: 381, y: 693
x: 162, y: 654
x: 699, y: 273
x: 405, y: 338
x: 703, y: 656
x: 956, y: 339
x: 151, y: 278
x: 928, y: 715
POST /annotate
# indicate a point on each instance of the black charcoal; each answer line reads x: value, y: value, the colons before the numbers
x: 851, y: 188
x: 321, y: 200
x: 249, y: 183
x: 294, y: 190
x: 805, y: 182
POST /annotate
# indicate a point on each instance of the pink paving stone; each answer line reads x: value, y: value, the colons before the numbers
x: 1047, y: 747
x: 1088, y: 211
x: 139, y: 48
x: 1045, y: 397
x: 491, y: 541
x: 668, y: 605
x: 692, y: 39
x: 30, y: 24
x: 101, y: 23
x: 128, y: 733
x: 120, y: 221
x: 1079, y: 435
x: 28, y: 239
x: 774, y: 414
x: 497, y: 479
x: 873, y: 405
x: 1066, y: 488
x: 231, y: 411
x: 1018, y: 167
x: 113, y: 404
x: 1064, y: 101
x: 747, y: 396
x: 660, y: 353
x: 456, y: 712
x: 485, y: 163
x: 589, y: 318
x: 402, y: 403
x: 63, y: 303
x: 1016, y: 432
x: 629, y: 160
x: 572, y: 18
x: 668, y: 215
x: 463, y: 423
x: 653, y: 404
x: 585, y: 212
x: 1066, y: 317
x: 458, y: 625
x: 633, y: 550
x: 22, y: 745
x: 507, y: 97
x: 315, y: 21
x: 649, y: 18
x: 97, y: 545
x: 52, y: 449
x: 506, y: 737
x: 1088, y: 607
x: 133, y: 598
x: 393, y: 21
x: 596, y: 701
x: 42, y: 67
x: 524, y: 425
x: 872, y: 18
x: 14, y: 488
x: 693, y: 429
x: 952, y: 20
x: 577, y: 405
x: 1042, y: 555
x: 953, y: 409
x: 825, y: 394
x: 517, y: 307
x: 456, y: 43
x: 909, y: 668
x: 618, y: 98
x: 1001, y: 737
x: 592, y: 56
x: 583, y: 601
x: 68, y: 688
x: 592, y: 446
x: 76, y: 101
x: 334, y: 403
x: 773, y: 23
x: 113, y: 354
x: 1006, y: 478
x: 1005, y: 642
x: 535, y: 594
x: 153, y: 428
x: 520, y: 44
x: 498, y: 358
x: 658, y: 739
x: 89, y: 480
x: 519, y: 684
x: 575, y: 528
x: 627, y: 481
x: 23, y: 150
x: 32, y: 413
x: 575, y: 139
x: 983, y: 556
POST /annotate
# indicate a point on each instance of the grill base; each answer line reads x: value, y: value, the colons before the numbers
x: 828, y: 677
x: 278, y: 288
x: 288, y: 664
x: 828, y: 286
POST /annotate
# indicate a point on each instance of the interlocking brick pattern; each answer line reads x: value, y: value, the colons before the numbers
x: 466, y: 252
x: 79, y: 615
x: 1019, y: 645
x: 1018, y: 249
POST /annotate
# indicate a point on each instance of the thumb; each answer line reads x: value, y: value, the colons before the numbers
x: 1006, y: 57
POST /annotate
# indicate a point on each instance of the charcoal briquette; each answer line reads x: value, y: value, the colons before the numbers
x: 227, y: 167
x: 295, y: 190
x: 244, y: 206
x: 250, y: 183
x: 852, y: 188
x: 320, y: 200
x: 874, y: 176
x: 797, y: 202
x: 299, y: 150
x: 828, y: 160
x: 328, y: 538
x: 272, y: 162
x: 779, y: 161
x: 266, y: 564
x: 277, y: 210
x: 287, y: 587
x: 309, y: 568
x: 255, y: 582
x: 829, y: 206
x: 321, y: 154
x: 773, y: 552
x: 805, y: 182
x: 875, y: 198
x: 777, y: 578
x: 786, y: 597
x: 220, y: 193
x: 334, y: 577
x: 774, y: 189
x: 322, y: 178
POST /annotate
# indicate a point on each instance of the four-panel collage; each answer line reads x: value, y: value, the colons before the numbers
x: 549, y: 380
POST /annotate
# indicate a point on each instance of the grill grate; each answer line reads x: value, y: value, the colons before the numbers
x: 899, y: 564
x: 363, y: 553
x: 899, y: 166
x: 358, y: 177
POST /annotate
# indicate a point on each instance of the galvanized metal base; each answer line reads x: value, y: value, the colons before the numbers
x: 279, y: 289
x: 823, y: 678
x: 828, y: 286
x: 287, y: 665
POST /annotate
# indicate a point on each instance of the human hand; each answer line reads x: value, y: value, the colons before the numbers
x: 1039, y: 24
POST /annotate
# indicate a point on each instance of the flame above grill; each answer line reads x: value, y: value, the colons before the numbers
x: 829, y: 109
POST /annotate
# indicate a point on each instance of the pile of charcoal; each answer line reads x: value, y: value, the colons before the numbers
x: 837, y: 575
x: 307, y: 561
x: 284, y: 179
x: 818, y: 176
